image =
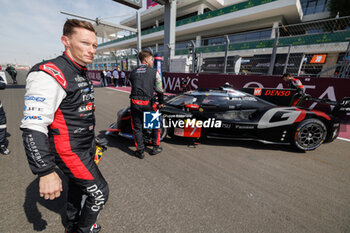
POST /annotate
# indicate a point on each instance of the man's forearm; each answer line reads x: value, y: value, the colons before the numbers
x: 37, y: 149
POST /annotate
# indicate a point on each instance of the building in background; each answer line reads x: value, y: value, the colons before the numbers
x: 306, y: 41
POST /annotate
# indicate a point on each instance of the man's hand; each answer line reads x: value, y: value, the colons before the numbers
x: 50, y: 186
x: 160, y: 106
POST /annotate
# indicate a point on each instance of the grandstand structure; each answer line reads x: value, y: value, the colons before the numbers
x: 249, y: 36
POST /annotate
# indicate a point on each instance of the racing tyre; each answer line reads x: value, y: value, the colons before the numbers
x: 309, y: 134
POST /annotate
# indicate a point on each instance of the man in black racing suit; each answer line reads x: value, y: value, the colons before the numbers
x: 3, y: 140
x: 58, y: 127
x: 12, y: 72
x: 293, y: 83
x: 144, y: 81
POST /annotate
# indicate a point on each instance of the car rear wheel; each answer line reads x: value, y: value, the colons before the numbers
x: 309, y: 134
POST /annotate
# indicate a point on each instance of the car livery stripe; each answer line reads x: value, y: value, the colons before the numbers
x: 64, y: 150
x: 301, y: 116
x: 295, y: 102
x: 321, y: 114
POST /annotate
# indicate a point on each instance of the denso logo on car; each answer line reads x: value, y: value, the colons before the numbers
x: 277, y: 93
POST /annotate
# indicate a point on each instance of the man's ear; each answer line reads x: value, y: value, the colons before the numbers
x: 65, y: 41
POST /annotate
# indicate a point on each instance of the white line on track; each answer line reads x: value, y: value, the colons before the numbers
x: 344, y: 139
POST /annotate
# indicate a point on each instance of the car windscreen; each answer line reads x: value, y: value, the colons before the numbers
x: 213, y: 100
x: 248, y: 101
x: 182, y: 100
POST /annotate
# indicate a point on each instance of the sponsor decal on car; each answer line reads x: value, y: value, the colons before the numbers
x: 244, y: 126
x: 277, y: 93
x: 257, y: 91
x: 248, y: 98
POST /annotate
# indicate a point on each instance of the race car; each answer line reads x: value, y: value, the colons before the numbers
x: 230, y: 113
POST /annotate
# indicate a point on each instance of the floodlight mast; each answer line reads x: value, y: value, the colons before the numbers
x: 101, y: 22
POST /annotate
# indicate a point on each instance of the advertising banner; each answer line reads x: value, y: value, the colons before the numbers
x: 330, y: 88
x: 323, y: 88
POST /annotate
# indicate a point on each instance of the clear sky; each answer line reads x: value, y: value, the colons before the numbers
x: 30, y: 30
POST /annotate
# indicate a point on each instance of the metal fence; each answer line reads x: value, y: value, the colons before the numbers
x: 318, y: 48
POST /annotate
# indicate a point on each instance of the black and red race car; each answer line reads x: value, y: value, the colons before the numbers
x: 229, y: 113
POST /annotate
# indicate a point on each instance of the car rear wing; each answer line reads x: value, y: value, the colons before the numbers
x: 340, y: 107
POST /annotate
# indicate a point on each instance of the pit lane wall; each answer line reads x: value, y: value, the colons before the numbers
x: 332, y: 88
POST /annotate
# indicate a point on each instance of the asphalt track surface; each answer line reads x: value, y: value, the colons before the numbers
x: 220, y: 186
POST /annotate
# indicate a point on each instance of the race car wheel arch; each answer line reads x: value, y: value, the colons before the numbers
x: 309, y: 134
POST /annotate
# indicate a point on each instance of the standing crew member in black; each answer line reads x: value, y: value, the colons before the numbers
x: 12, y: 72
x: 144, y: 81
x: 58, y: 127
x: 3, y: 140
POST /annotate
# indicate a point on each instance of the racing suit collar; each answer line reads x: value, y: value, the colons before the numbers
x: 70, y: 60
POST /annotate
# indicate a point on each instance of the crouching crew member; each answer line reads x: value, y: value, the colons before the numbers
x: 293, y: 83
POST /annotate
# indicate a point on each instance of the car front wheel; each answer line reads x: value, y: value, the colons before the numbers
x: 309, y: 134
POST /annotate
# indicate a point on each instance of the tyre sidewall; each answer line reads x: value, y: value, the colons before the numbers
x: 303, y: 124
